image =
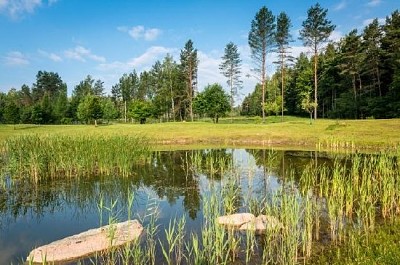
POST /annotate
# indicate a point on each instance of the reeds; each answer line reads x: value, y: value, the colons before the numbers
x: 71, y: 156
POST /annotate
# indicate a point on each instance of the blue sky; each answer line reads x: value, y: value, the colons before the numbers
x: 106, y: 38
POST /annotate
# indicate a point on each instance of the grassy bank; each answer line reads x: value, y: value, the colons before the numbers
x: 293, y: 132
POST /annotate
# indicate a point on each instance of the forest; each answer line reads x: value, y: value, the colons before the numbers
x: 357, y: 77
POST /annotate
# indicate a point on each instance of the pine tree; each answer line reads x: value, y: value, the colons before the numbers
x: 283, y: 38
x: 261, y: 40
x: 230, y: 68
x: 189, y: 64
x: 315, y: 32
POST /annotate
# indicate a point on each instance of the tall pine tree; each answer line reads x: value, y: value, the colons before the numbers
x: 315, y: 32
x: 230, y: 68
x: 261, y: 40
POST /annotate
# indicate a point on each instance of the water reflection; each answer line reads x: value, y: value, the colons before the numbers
x: 33, y: 214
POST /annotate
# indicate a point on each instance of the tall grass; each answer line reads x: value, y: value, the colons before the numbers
x: 39, y: 157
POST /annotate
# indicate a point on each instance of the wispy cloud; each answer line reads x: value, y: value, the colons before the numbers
x: 366, y: 22
x: 80, y: 53
x: 140, y: 32
x: 340, y: 6
x: 52, y: 56
x: 16, y: 58
x: 140, y: 62
x: 373, y: 3
x: 17, y: 8
x: 336, y: 35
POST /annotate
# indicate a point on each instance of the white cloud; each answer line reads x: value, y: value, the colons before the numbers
x: 336, y: 35
x: 141, y: 62
x: 140, y: 32
x: 52, y: 56
x: 340, y: 6
x: 152, y: 34
x: 366, y: 22
x: 208, y: 70
x: 17, y: 8
x: 150, y: 56
x: 80, y: 53
x: 16, y: 58
x: 373, y: 3
x: 136, y: 32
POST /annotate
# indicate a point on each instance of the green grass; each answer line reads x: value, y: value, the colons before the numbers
x: 380, y: 247
x: 293, y: 132
x: 64, y: 155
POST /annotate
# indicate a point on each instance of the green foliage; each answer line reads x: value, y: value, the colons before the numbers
x: 274, y: 107
x: 90, y: 109
x: 141, y: 110
x: 11, y: 113
x: 108, y: 109
x: 213, y: 102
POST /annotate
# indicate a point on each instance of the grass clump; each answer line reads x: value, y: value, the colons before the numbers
x: 380, y: 247
x: 58, y: 156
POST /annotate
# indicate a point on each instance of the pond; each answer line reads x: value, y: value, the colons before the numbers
x: 173, y: 184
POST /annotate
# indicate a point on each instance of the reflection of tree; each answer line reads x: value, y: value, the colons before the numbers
x: 212, y: 163
x: 23, y: 197
x: 175, y: 174
x: 290, y: 163
x: 170, y: 174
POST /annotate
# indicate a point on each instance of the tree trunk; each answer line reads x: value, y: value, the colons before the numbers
x: 190, y: 93
x: 125, y: 110
x: 379, y: 81
x: 232, y: 92
x: 315, y: 82
x: 282, y: 82
x: 263, y: 73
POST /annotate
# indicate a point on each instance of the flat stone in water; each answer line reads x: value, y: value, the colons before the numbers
x: 86, y: 243
x: 261, y: 224
x: 235, y: 220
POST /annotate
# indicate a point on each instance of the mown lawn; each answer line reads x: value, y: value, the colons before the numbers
x: 292, y: 132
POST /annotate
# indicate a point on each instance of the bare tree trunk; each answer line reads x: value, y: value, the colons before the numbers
x: 282, y: 82
x: 379, y: 81
x: 125, y: 110
x: 232, y: 93
x: 172, y: 103
x: 263, y: 73
x: 315, y: 82
x: 190, y: 93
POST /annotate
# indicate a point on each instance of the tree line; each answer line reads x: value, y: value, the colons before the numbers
x: 356, y: 77
x: 168, y: 92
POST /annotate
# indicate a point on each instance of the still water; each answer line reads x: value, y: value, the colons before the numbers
x: 32, y: 214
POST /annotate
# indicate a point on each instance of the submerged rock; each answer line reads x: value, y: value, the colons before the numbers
x: 261, y: 224
x: 235, y: 220
x: 86, y: 243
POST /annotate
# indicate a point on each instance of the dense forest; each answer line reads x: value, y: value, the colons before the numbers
x: 357, y: 77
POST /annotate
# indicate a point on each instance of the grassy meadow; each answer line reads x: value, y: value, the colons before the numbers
x: 239, y: 132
